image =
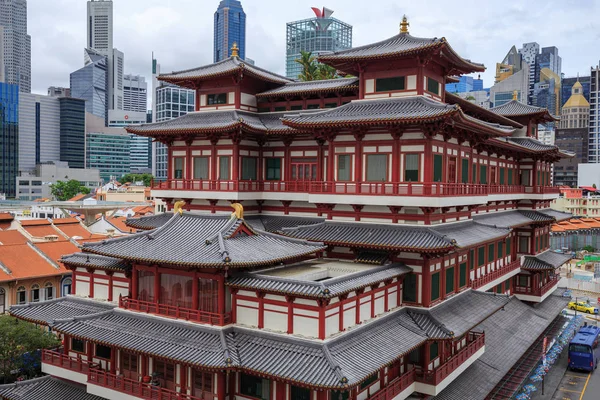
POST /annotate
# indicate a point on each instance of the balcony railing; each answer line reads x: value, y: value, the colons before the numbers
x: 135, y: 388
x: 540, y: 291
x: 436, y: 376
x: 433, y: 189
x: 492, y: 276
x: 395, y: 387
x: 71, y: 363
x: 166, y: 310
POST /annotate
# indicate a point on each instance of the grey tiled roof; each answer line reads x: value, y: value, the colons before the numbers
x: 275, y: 223
x: 95, y: 261
x: 372, y: 257
x: 47, y: 388
x: 477, y: 111
x: 512, y: 219
x: 65, y: 307
x: 192, y: 240
x: 226, y: 67
x: 508, y: 334
x: 532, y: 144
x: 548, y: 260
x: 400, y: 45
x: 559, y: 216
x: 375, y: 236
x: 515, y: 108
x: 148, y: 222
x: 469, y: 233
x: 325, y: 289
x: 322, y: 86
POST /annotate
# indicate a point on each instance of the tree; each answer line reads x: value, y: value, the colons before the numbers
x: 20, y: 345
x: 589, y: 249
x: 594, y: 186
x: 309, y: 66
x: 146, y: 178
x: 326, y: 72
x: 470, y: 98
x: 63, y: 191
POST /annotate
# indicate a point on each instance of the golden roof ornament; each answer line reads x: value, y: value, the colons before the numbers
x: 516, y: 95
x: 239, y: 210
x: 235, y: 51
x: 404, y: 25
x: 178, y: 207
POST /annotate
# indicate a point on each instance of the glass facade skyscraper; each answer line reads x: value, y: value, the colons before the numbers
x: 90, y: 83
x: 16, y: 43
x: 109, y: 153
x: 9, y: 138
x: 567, y: 88
x: 230, y: 28
x: 319, y: 35
x: 72, y: 131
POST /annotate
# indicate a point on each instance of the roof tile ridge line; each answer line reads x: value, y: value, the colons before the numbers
x: 43, y: 255
x: 290, y: 239
x: 60, y: 233
x: 26, y: 382
x: 226, y: 352
x: 39, y: 303
x: 435, y: 321
x: 5, y: 269
x: 80, y: 317
x: 419, y: 331
x: 445, y: 238
x: 296, y: 228
x: 275, y: 279
x: 221, y: 236
x: 195, y: 68
x: 332, y: 363
x: 360, y: 274
x: 73, y: 241
x: 508, y: 229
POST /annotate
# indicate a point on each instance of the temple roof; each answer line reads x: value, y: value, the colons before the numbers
x: 87, y: 260
x: 548, y: 260
x: 481, y: 113
x: 312, y: 87
x: 148, y: 222
x: 325, y: 289
x: 47, y: 388
x: 400, y: 46
x: 515, y: 108
x: 399, y: 110
x: 191, y: 240
x: 470, y: 233
x: 557, y: 215
x: 276, y: 223
x: 65, y: 307
x: 230, y: 66
x: 513, y: 218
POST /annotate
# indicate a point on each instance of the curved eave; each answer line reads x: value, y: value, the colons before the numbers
x: 522, y: 149
x: 90, y: 265
x: 471, y: 124
x: 189, y: 81
x: 307, y: 92
x: 467, y: 106
x: 182, y: 131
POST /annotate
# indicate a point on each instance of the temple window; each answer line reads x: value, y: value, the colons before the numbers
x: 433, y: 86
x: 312, y: 106
x: 369, y: 381
x: 344, y: 167
x: 411, y: 168
x: 77, y: 345
x: 377, y: 167
x: 523, y: 244
x: 434, y: 351
x: 339, y: 395
x: 331, y: 105
x: 296, y: 107
x: 500, y: 249
x: 502, y: 175
x: 390, y: 84
x: 201, y: 167
x: 299, y: 393
x: 176, y: 290
x: 409, y: 292
x: 178, y: 170
x: 508, y: 246
x: 481, y: 256
x: 450, y: 280
x: 525, y: 181
x: 523, y: 281
x: 256, y: 387
x: 273, y: 169
x: 218, y: 98
x: 462, y: 278
x: 166, y: 372
x: 465, y: 171
x: 203, y: 383
x: 146, y: 286
x: 483, y: 174
x: 280, y: 109
x: 249, y: 168
x: 437, y: 167
x: 224, y: 169
x: 103, y: 351
x: 435, y: 286
x: 35, y: 293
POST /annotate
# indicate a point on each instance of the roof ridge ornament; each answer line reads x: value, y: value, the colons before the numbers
x: 235, y: 50
x: 515, y: 95
x: 239, y: 211
x: 178, y: 207
x: 404, y: 25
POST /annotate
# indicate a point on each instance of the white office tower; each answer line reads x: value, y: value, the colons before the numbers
x: 16, y: 57
x: 594, y: 124
x: 135, y: 93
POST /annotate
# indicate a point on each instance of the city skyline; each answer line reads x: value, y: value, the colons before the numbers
x: 183, y: 39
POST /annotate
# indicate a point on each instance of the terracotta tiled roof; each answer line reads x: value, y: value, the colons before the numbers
x: 21, y: 261
x: 56, y: 250
x: 6, y: 216
x: 34, y: 222
x: 60, y: 221
x: 79, y: 197
x: 41, y: 231
x: 119, y: 223
x: 12, y: 237
x: 76, y: 230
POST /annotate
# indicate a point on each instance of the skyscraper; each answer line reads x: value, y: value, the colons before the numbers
x: 594, y: 131
x: 72, y: 131
x: 567, y: 87
x: 91, y: 84
x: 537, y: 61
x: 9, y: 137
x: 135, y: 93
x: 17, y: 44
x: 322, y: 34
x: 230, y: 27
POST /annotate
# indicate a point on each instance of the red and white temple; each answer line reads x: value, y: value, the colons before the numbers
x: 384, y: 233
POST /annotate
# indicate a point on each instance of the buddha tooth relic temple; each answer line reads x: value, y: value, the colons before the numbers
x: 387, y: 240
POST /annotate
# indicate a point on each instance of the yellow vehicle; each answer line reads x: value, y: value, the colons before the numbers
x: 583, y: 307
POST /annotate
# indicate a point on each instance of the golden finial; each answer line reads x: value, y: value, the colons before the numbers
x: 235, y: 51
x: 516, y: 95
x: 404, y: 25
x: 239, y: 210
x: 178, y: 207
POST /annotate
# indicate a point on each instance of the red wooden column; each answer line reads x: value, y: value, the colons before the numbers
x: 221, y: 385
x: 73, y: 280
x: 110, y: 285
x: 425, y: 282
x: 197, y: 100
x: 91, y: 272
x: 290, y: 314
x: 189, y: 166
x: 169, y: 161
x: 287, y: 171
x: 183, y: 378
x: 396, y: 154
x: 113, y: 360
x: 331, y: 159
x: 322, y: 307
x: 134, y: 284
x: 195, y: 292
x: 66, y: 342
x: 373, y: 290
x: 341, y: 311
x: 428, y: 162
x: 89, y: 350
x: 234, y: 292
x: 358, y: 167
x: 236, y: 138
x: 156, y: 285
x: 214, y: 166
x: 320, y: 158
x: 221, y: 300
x: 359, y: 293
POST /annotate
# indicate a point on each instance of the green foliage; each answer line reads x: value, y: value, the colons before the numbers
x: 146, y: 178
x: 594, y: 186
x: 589, y: 249
x: 312, y: 70
x: 326, y: 72
x: 63, y: 191
x: 470, y: 98
x: 20, y: 345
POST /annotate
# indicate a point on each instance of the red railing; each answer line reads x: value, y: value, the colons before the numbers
x: 492, y: 276
x: 175, y: 311
x: 540, y: 291
x: 135, y: 388
x: 395, y: 387
x: 434, y: 189
x: 68, y: 362
x: 436, y: 376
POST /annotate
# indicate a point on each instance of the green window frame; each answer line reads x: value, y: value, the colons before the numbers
x: 435, y: 286
x: 465, y: 170
x: 508, y: 246
x: 366, y: 383
x: 462, y: 275
x: 450, y: 280
x: 523, y: 281
x: 437, y: 167
x: 433, y: 86
x: 502, y: 173
x: 411, y: 168
x: 296, y: 107
x: 537, y: 244
x: 500, y: 249
x: 474, y: 169
x: 201, y: 168
x: 276, y: 109
x: 273, y: 169
x: 510, y: 176
x: 481, y: 256
x: 300, y: 393
x: 178, y: 167
x: 254, y: 386
x: 483, y: 174
x: 434, y: 351
x: 499, y: 288
x: 249, y: 165
x: 339, y: 395
x: 491, y: 253
x: 472, y: 259
x: 216, y: 98
x: 538, y: 182
x: 409, y: 288
x: 390, y: 84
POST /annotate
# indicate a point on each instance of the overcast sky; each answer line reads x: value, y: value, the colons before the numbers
x: 180, y: 32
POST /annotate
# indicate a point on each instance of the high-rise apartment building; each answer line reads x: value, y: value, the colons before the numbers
x: 537, y: 61
x: 319, y: 35
x: 567, y: 86
x: 594, y: 131
x: 230, y: 28
x: 529, y: 51
x: 72, y: 131
x: 9, y: 137
x: 17, y: 44
x: 1, y: 54
x: 90, y: 83
x: 135, y: 93
x: 546, y: 91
